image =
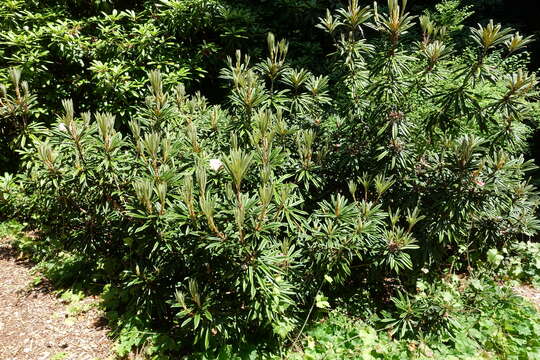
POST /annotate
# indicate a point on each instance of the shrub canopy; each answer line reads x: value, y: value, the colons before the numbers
x: 221, y: 220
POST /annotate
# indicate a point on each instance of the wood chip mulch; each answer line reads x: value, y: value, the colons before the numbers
x: 529, y: 293
x: 36, y: 325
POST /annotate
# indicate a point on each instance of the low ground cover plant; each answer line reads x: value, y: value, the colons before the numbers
x: 487, y: 321
x: 212, y: 224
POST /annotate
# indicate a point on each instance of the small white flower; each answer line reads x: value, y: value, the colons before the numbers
x: 62, y: 127
x: 479, y: 182
x: 424, y: 270
x: 215, y: 164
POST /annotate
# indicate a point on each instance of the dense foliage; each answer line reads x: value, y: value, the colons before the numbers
x: 98, y: 52
x: 212, y: 223
x: 488, y: 323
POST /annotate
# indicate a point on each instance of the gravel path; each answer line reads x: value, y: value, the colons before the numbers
x: 36, y: 325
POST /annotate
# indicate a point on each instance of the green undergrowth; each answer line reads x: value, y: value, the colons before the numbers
x: 10, y: 230
x: 496, y: 325
x: 456, y: 317
x: 488, y: 322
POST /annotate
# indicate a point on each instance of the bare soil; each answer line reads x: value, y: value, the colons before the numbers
x: 35, y: 324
